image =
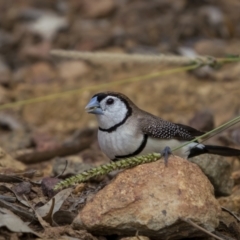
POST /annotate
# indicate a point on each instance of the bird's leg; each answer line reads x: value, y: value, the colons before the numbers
x: 166, y: 152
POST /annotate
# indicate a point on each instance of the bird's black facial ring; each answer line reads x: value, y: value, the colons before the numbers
x: 111, y: 101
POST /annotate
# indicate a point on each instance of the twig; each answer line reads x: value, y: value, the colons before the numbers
x: 231, y: 213
x: 224, y: 237
x: 201, y: 228
x: 34, y: 156
x: 42, y: 222
x: 100, y: 57
x: 48, y: 217
x: 10, y: 179
x: 64, y: 169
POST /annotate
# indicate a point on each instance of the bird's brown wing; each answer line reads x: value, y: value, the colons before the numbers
x: 158, y: 128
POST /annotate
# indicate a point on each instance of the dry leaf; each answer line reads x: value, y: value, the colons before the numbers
x: 13, y: 223
x: 59, y: 199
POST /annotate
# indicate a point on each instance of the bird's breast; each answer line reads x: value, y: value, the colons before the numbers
x: 121, y: 142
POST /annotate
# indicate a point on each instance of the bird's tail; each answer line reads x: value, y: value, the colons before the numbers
x: 219, y: 150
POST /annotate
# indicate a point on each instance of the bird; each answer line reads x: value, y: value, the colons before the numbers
x: 127, y: 131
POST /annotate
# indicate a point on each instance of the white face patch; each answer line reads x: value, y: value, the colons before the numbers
x: 114, y: 111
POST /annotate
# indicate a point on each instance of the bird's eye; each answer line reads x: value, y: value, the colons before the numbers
x: 110, y: 101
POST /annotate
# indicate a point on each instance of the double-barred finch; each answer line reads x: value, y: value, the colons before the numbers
x: 125, y: 130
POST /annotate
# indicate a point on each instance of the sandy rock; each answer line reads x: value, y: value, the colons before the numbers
x: 135, y: 238
x: 202, y: 120
x: 20, y: 74
x: 235, y: 136
x: 47, y: 25
x: 73, y: 69
x: 214, y: 48
x: 214, y: 21
x: 3, y: 95
x: 5, y: 73
x: 43, y: 141
x: 36, y: 51
x: 229, y: 74
x: 232, y: 202
x: 40, y: 72
x: 16, y: 135
x: 8, y: 163
x: 98, y: 41
x: 97, y: 8
x: 218, y: 170
x: 5, y: 38
x: 15, y: 141
x: 96, y: 35
x: 151, y: 199
x: 236, y: 177
x: 11, y: 121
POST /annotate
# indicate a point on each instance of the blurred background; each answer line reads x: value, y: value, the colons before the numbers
x: 56, y: 137
x: 29, y: 29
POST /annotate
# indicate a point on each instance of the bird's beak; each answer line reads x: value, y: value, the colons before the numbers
x: 94, y: 107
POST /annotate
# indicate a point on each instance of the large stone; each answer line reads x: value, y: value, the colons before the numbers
x: 218, y: 170
x: 152, y: 199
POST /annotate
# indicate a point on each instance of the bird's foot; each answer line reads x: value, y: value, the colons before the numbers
x: 166, y: 152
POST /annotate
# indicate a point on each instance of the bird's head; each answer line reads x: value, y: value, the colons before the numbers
x: 110, y: 108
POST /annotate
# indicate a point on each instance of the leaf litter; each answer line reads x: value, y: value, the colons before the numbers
x: 14, y: 223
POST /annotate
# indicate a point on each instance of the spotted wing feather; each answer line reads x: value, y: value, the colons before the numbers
x: 158, y: 128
